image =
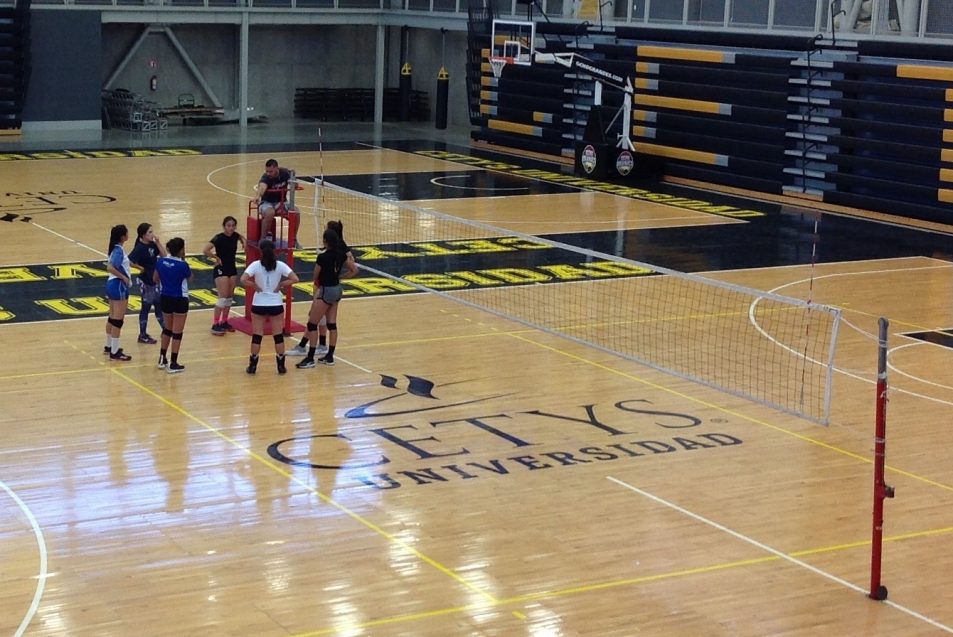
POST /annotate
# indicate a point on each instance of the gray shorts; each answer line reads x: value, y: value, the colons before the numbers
x: 330, y: 294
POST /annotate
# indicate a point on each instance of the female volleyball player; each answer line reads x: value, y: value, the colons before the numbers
x: 144, y: 254
x: 270, y: 278
x: 332, y: 265
x: 222, y: 248
x: 301, y: 348
x: 173, y: 274
x: 117, y: 291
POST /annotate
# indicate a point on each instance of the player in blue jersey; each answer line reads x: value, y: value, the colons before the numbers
x: 173, y: 275
x: 117, y: 291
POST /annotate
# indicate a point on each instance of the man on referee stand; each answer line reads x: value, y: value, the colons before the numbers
x: 272, y: 192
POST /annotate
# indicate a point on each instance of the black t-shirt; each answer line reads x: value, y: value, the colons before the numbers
x: 225, y: 248
x: 144, y: 255
x: 331, y: 264
x: 273, y: 194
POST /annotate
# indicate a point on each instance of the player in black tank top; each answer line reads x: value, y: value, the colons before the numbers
x: 223, y: 249
x: 333, y: 264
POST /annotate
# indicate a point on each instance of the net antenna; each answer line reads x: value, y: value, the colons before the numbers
x: 511, y: 42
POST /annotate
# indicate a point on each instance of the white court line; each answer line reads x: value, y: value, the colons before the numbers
x: 845, y: 372
x: 436, y: 181
x: 71, y: 240
x: 911, y: 376
x: 41, y: 545
x: 777, y: 553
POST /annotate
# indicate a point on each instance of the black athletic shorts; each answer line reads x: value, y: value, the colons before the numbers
x: 174, y: 304
x: 267, y: 310
x: 218, y: 271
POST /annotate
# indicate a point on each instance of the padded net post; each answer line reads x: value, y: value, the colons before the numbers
x: 881, y: 491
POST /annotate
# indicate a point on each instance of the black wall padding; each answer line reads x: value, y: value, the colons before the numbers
x: 714, y: 38
x: 908, y: 91
x: 723, y: 146
x: 719, y: 127
x: 891, y: 49
x: 521, y: 142
x: 900, y: 168
x: 888, y: 131
x: 888, y: 150
x: 722, y: 76
x: 901, y: 208
x: 546, y: 73
x: 889, y: 111
x: 524, y: 116
x: 717, y: 175
x: 539, y: 89
x: 884, y: 188
x: 866, y: 69
x: 530, y: 103
x: 722, y: 94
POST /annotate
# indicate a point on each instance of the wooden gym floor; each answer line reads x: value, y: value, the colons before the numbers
x: 455, y: 473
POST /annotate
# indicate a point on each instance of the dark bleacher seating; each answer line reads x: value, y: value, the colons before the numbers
x: 342, y: 104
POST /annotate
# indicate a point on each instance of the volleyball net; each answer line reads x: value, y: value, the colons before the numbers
x: 772, y: 349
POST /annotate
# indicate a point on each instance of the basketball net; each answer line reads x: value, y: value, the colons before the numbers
x: 497, y: 64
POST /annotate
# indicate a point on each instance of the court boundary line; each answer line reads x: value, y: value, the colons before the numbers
x: 44, y: 560
x: 776, y: 552
x: 494, y: 601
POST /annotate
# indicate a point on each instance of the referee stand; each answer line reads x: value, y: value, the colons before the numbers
x: 287, y: 221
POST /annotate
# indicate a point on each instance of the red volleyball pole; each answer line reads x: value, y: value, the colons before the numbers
x: 881, y: 490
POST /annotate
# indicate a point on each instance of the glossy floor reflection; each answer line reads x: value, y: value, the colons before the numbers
x: 456, y: 472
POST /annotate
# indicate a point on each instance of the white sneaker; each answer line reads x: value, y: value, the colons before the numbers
x: 297, y: 350
x: 322, y: 349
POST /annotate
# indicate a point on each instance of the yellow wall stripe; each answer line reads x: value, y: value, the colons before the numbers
x: 513, y: 127
x: 646, y: 67
x: 678, y: 103
x: 682, y: 153
x: 489, y: 96
x: 946, y: 174
x: 948, y: 136
x: 674, y: 53
x: 946, y: 154
x: 646, y: 84
x: 918, y: 72
x: 949, y: 95
x: 944, y: 195
x: 948, y: 114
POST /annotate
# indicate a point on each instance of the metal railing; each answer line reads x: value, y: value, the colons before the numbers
x: 901, y: 19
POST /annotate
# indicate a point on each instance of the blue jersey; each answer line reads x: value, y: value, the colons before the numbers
x: 174, y: 276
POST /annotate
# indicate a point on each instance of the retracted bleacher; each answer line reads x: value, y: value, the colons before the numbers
x: 861, y: 124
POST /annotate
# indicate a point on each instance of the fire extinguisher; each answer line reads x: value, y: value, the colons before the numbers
x: 154, y: 83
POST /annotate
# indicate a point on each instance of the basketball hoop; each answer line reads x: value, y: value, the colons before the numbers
x: 497, y: 64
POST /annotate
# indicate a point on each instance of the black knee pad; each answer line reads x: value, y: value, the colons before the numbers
x: 115, y: 322
x: 167, y: 332
x: 312, y: 327
x: 332, y: 326
x: 279, y: 339
x: 176, y: 336
x: 256, y: 339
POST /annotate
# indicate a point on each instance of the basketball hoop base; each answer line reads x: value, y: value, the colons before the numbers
x: 243, y: 325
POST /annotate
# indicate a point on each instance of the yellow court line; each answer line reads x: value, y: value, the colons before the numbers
x: 545, y: 594
x: 324, y: 498
x: 730, y: 412
x: 597, y: 586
